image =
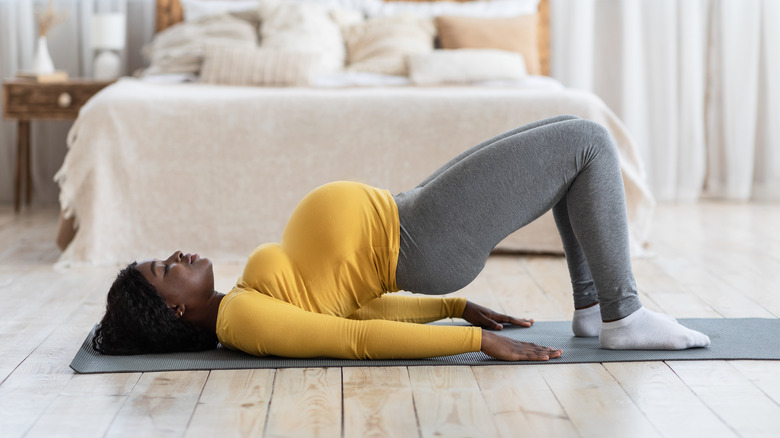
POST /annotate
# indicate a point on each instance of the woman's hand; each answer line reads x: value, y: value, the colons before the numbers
x: 503, y: 348
x: 489, y: 319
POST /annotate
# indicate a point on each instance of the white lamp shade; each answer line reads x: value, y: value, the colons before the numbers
x: 108, y: 31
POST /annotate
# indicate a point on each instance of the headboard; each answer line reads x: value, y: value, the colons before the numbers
x: 169, y: 12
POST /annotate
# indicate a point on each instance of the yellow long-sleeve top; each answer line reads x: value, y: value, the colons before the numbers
x: 323, y: 290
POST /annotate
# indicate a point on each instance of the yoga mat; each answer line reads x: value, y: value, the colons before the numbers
x: 748, y: 338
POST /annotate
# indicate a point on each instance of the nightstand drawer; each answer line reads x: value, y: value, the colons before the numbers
x: 30, y: 100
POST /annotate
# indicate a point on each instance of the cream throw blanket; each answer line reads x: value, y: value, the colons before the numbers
x: 153, y: 168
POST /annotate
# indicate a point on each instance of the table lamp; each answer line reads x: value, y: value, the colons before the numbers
x: 108, y: 37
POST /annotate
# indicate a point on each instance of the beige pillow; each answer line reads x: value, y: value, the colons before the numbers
x: 515, y: 34
x: 240, y: 66
x: 380, y: 45
x: 179, y: 49
x: 465, y: 66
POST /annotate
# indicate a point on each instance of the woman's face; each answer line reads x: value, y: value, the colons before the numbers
x: 184, y: 281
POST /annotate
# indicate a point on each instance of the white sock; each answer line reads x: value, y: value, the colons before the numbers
x: 647, y: 330
x: 586, y: 323
x: 665, y: 315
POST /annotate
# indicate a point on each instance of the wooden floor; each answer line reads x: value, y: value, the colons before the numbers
x: 712, y: 260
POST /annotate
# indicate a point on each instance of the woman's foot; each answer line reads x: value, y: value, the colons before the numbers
x: 586, y: 322
x: 647, y: 330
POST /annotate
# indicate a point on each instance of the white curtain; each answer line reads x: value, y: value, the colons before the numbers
x: 69, y: 46
x: 695, y: 81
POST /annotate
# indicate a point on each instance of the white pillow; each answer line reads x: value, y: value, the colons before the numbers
x: 465, y: 66
x: 476, y: 9
x: 302, y: 27
x: 179, y: 48
x: 241, y: 66
x: 196, y: 9
x: 380, y: 45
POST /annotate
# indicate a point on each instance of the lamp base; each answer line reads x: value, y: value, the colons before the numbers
x: 106, y: 65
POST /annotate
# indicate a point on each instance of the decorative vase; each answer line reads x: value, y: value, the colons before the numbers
x: 42, y: 64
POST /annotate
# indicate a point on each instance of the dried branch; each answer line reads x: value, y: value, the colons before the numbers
x: 48, y: 17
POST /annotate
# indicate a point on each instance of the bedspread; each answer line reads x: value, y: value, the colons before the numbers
x: 153, y: 168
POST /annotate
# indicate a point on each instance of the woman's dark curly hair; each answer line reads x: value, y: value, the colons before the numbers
x: 138, y: 321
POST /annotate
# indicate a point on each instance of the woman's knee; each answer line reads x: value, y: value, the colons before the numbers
x: 594, y: 137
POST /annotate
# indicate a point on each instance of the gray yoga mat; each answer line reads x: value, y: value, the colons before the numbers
x: 748, y: 338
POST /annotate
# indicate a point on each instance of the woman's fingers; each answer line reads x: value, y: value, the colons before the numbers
x: 490, y: 324
x: 528, y: 351
x: 521, y: 322
x: 490, y: 319
x: 505, y: 348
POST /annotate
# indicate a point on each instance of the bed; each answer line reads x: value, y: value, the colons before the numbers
x: 155, y: 167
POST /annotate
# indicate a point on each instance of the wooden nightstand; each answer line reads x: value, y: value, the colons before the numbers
x: 26, y: 100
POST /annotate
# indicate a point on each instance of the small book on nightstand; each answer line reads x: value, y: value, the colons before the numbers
x: 57, y: 76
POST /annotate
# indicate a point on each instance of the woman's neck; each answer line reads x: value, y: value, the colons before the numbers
x: 207, y: 319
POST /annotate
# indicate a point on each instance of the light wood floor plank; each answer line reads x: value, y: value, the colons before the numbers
x: 69, y: 322
x: 44, y: 376
x: 305, y: 402
x: 82, y: 416
x: 520, y: 400
x: 161, y: 404
x: 552, y: 276
x: 764, y: 374
x: 668, y: 294
x: 235, y: 401
x: 378, y: 402
x: 731, y: 396
x: 705, y: 283
x: 595, y: 402
x: 665, y: 400
x: 521, y: 296
x: 481, y: 292
x: 449, y: 402
x: 24, y: 398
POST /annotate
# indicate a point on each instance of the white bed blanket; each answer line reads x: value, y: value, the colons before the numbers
x: 153, y: 168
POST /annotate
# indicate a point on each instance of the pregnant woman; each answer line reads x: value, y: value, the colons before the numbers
x: 325, y: 290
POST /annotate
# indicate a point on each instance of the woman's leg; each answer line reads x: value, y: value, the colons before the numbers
x: 450, y: 224
x: 492, y: 140
x: 585, y: 322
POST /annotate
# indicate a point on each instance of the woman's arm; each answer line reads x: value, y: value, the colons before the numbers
x: 427, y: 309
x: 261, y: 325
x: 394, y: 307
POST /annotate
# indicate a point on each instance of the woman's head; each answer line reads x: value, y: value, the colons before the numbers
x: 151, y: 307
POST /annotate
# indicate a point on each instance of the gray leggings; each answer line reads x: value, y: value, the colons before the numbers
x: 452, y: 221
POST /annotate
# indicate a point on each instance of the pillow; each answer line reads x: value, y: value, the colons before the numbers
x: 380, y: 45
x: 196, y: 9
x: 481, y: 9
x: 465, y: 65
x: 242, y: 66
x: 179, y: 48
x: 515, y: 34
x: 302, y: 27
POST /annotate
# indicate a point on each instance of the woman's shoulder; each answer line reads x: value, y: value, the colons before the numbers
x: 242, y: 294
